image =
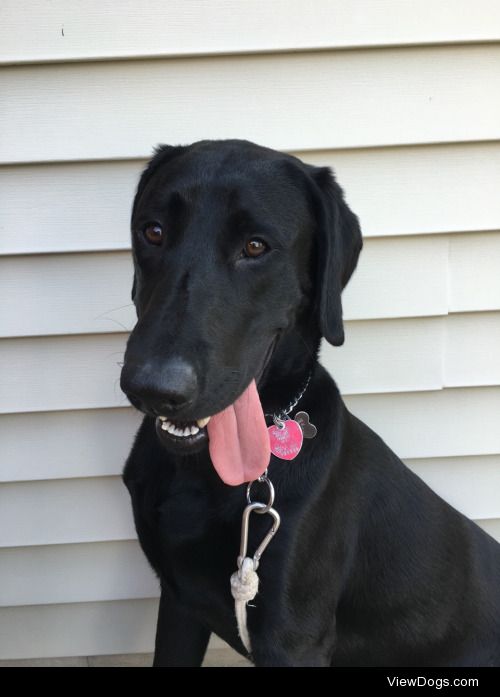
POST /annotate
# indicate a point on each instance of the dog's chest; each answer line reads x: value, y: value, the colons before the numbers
x: 199, y: 545
x: 199, y: 540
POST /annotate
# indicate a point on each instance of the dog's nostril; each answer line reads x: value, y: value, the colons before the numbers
x: 167, y: 403
x: 173, y: 400
x: 161, y: 388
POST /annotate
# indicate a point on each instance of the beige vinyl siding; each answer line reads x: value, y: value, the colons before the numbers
x: 65, y: 510
x: 428, y: 189
x: 401, y: 98
x: 399, y: 277
x: 78, y: 629
x: 59, y: 31
x: 85, y: 570
x: 61, y: 514
x: 75, y: 573
x: 441, y: 423
x: 424, y: 353
x: 77, y: 443
x: 92, y: 305
x: 95, y: 442
x: 412, y: 95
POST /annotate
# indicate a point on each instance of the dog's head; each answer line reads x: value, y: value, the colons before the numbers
x: 241, y: 254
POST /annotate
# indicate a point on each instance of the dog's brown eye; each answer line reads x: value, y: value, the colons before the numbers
x: 254, y: 248
x: 153, y: 233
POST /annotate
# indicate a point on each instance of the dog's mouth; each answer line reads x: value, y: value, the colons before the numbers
x: 186, y: 437
x: 237, y: 436
x: 182, y: 436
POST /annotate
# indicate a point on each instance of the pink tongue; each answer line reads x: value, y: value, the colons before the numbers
x: 238, y: 439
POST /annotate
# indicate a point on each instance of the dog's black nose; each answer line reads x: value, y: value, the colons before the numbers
x: 161, y: 389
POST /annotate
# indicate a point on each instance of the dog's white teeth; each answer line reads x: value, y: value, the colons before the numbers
x: 178, y: 431
x: 203, y: 422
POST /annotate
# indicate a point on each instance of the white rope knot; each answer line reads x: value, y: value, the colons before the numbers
x: 244, y: 587
x: 245, y: 582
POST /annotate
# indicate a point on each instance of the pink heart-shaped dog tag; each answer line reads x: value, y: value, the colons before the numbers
x: 286, y: 441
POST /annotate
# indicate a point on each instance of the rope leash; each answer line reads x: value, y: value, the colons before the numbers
x: 245, y: 581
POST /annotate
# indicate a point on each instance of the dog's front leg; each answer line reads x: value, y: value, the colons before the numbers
x: 181, y: 641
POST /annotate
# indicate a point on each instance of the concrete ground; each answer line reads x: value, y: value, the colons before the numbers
x: 218, y: 655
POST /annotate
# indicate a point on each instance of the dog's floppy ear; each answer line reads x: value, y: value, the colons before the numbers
x: 162, y: 155
x: 339, y: 244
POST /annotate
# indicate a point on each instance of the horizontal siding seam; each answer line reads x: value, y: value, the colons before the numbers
x: 96, y: 540
x: 292, y: 151
x: 427, y: 390
x: 372, y: 236
x: 72, y: 478
x: 382, y: 318
x: 55, y: 543
x: 79, y: 602
x: 194, y: 55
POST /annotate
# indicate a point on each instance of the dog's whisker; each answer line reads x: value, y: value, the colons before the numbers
x: 115, y: 309
x: 111, y: 319
x: 116, y: 353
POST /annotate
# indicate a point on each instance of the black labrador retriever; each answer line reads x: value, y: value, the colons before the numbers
x: 241, y: 254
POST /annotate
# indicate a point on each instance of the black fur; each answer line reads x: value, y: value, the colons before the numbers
x: 369, y: 567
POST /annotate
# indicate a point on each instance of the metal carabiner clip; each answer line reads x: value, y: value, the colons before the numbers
x: 258, y: 508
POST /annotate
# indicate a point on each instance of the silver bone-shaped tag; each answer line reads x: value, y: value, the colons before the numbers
x: 308, y: 429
